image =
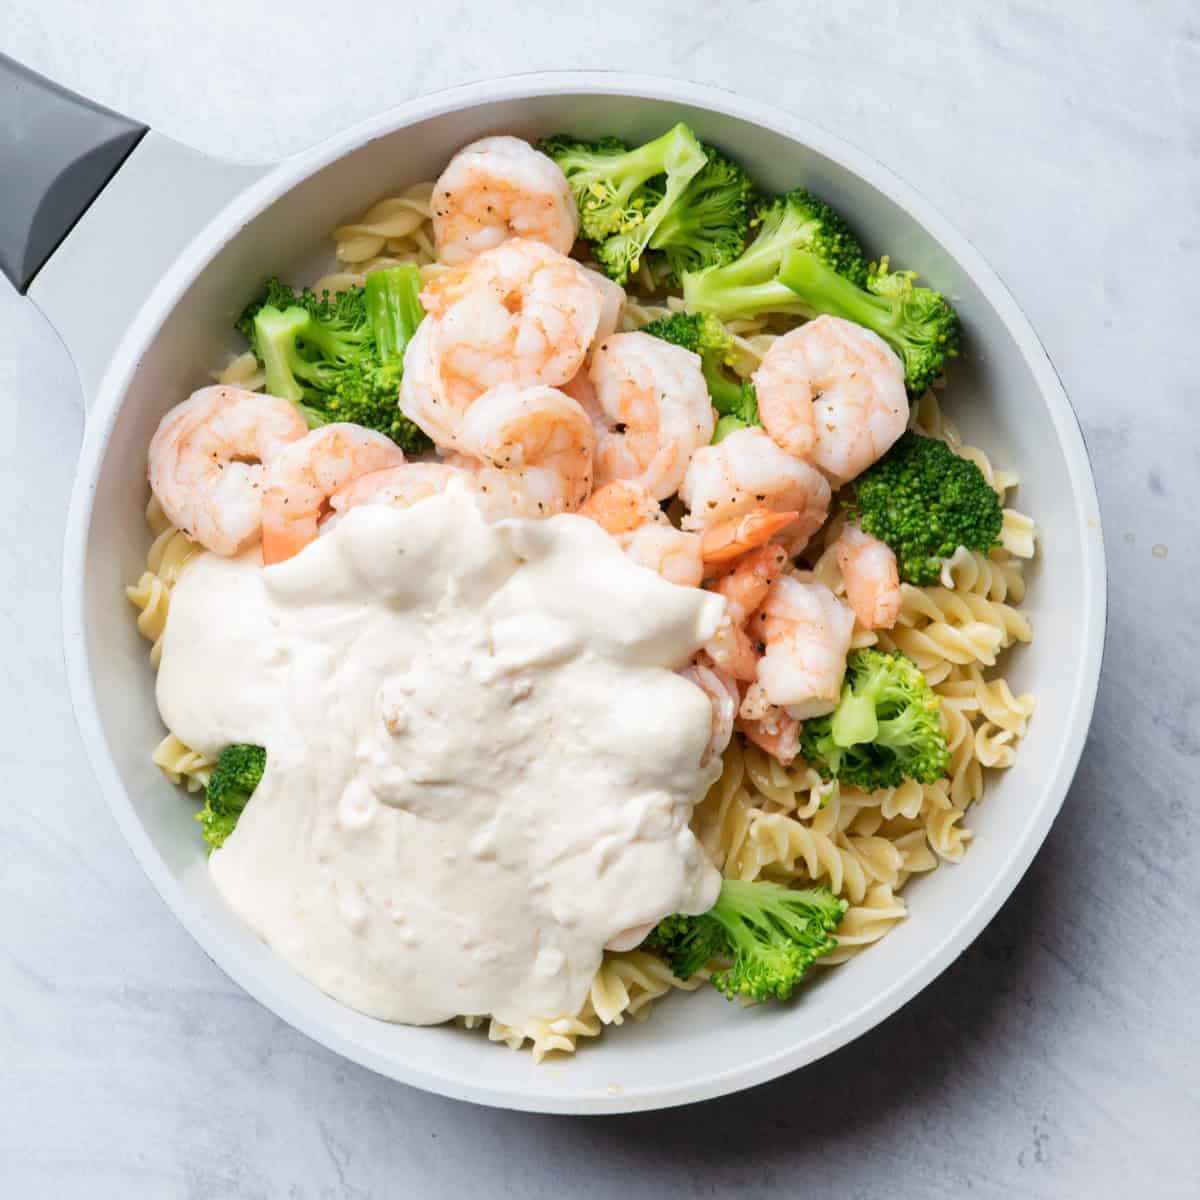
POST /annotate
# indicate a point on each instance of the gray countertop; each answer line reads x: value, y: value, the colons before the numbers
x: 1058, y: 1057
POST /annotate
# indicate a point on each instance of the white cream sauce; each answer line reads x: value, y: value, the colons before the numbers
x: 480, y: 762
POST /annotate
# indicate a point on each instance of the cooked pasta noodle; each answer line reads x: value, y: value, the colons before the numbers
x: 243, y: 371
x: 626, y: 985
x: 169, y: 553
x: 397, y: 224
x: 760, y: 820
x: 181, y: 764
x: 865, y: 923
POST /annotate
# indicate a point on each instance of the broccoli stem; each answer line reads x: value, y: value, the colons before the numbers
x: 727, y: 425
x: 824, y: 291
x: 727, y: 394
x: 708, y: 291
x: 855, y: 719
x: 393, y: 297
x: 275, y: 333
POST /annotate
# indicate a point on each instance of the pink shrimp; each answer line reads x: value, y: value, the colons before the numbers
x: 722, y: 693
x: 397, y: 487
x: 530, y: 451
x: 776, y: 732
x: 747, y: 471
x: 745, y: 587
x: 805, y: 630
x: 628, y: 512
x: 303, y: 477
x: 833, y: 393
x: 496, y: 189
x: 651, y: 409
x: 727, y: 541
x: 520, y: 314
x: 871, y: 577
x: 207, y: 462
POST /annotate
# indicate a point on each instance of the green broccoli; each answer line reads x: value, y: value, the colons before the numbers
x: 238, y: 772
x: 733, y: 398
x: 772, y: 934
x: 918, y: 323
x: 750, y: 285
x: 707, y: 225
x: 925, y: 501
x: 341, y: 357
x: 618, y: 211
x: 886, y: 728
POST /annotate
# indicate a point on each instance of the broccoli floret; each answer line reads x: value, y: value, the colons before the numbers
x: 733, y: 398
x: 341, y: 357
x: 772, y: 934
x: 918, y: 323
x: 707, y: 225
x: 238, y: 772
x: 750, y: 285
x: 275, y: 294
x: 618, y: 191
x: 925, y: 501
x: 886, y: 728
x: 687, y: 943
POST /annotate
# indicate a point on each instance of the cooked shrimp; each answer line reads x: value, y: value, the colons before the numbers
x: 207, y: 462
x: 748, y: 471
x: 832, y: 392
x: 674, y: 554
x: 745, y: 587
x: 872, y: 580
x: 620, y: 506
x: 500, y: 188
x: 784, y: 391
x: 805, y: 630
x: 530, y: 451
x: 748, y: 583
x: 722, y: 694
x: 727, y: 541
x: 651, y: 410
x: 633, y: 517
x: 398, y: 487
x: 776, y: 732
x: 302, y: 478
x: 519, y: 314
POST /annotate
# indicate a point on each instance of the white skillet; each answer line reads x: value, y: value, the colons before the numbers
x: 143, y: 291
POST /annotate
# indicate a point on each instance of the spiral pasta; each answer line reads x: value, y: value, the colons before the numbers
x: 181, y: 764
x: 399, y: 224
x: 626, y: 985
x: 993, y: 575
x: 243, y: 371
x: 170, y: 551
x: 865, y: 923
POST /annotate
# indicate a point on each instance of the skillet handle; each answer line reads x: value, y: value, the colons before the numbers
x: 58, y: 150
x: 94, y: 208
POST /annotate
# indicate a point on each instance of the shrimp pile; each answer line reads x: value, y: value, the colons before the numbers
x: 538, y: 406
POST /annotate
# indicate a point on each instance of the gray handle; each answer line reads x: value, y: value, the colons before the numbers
x: 57, y: 152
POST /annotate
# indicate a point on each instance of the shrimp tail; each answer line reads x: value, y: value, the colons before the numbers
x: 729, y: 540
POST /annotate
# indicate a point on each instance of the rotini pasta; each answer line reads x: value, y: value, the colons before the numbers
x: 396, y: 224
x: 169, y: 553
x: 181, y: 764
x: 626, y: 985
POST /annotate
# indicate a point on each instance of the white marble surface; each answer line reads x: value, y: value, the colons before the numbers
x: 1058, y: 1057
